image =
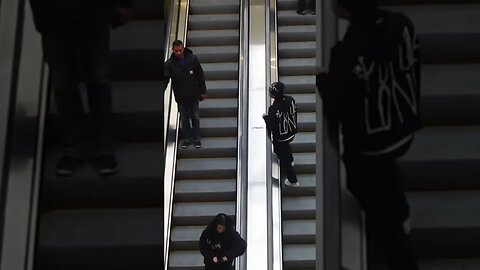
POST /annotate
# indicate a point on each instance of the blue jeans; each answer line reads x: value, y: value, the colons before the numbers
x: 88, y: 49
x: 189, y: 115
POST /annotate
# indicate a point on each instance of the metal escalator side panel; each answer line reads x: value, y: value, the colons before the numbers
x: 177, y: 25
x: 275, y: 190
x: 26, y: 148
x: 242, y: 136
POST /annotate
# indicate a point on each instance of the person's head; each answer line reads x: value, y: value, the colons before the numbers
x: 178, y: 49
x: 221, y: 224
x: 355, y: 9
x: 276, y: 90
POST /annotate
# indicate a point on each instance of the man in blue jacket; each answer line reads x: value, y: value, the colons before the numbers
x: 76, y: 33
x: 189, y: 88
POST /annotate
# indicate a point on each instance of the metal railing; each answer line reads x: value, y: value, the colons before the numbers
x: 178, y: 20
x: 242, y: 134
x: 275, y: 190
x: 23, y: 170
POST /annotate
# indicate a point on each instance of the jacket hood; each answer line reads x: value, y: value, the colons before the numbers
x: 380, y: 38
x: 221, y: 219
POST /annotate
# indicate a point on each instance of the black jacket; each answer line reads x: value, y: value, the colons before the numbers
x: 213, y: 244
x: 281, y: 119
x: 188, y: 81
x: 60, y: 16
x: 373, y: 85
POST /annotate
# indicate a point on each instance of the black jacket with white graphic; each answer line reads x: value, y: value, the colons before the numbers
x: 373, y: 85
x: 229, y: 244
x: 188, y: 81
x: 281, y: 119
x: 65, y: 16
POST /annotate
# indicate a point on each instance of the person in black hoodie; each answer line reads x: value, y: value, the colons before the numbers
x: 281, y: 122
x: 76, y: 33
x: 188, y: 84
x: 220, y: 244
x: 373, y: 90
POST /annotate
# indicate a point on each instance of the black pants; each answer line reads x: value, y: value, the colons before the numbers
x: 189, y: 112
x: 88, y: 49
x: 306, y: 4
x: 222, y: 266
x: 374, y: 182
x: 284, y: 153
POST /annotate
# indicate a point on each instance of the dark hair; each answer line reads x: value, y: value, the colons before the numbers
x: 361, y: 10
x: 277, y: 89
x: 176, y: 43
x: 221, y: 219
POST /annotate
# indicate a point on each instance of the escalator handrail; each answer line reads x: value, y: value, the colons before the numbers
x: 242, y: 127
x: 178, y: 20
x: 275, y: 189
x: 328, y: 206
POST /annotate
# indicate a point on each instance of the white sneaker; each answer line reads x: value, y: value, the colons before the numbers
x: 290, y: 184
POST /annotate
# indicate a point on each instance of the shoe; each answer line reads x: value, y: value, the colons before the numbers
x: 66, y: 165
x: 301, y: 12
x: 185, y: 144
x: 106, y: 165
x: 313, y: 12
x: 197, y: 144
x: 290, y: 184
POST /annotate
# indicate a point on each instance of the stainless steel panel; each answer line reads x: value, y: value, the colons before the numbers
x: 25, y: 162
x: 257, y: 211
x: 275, y: 191
x: 178, y: 30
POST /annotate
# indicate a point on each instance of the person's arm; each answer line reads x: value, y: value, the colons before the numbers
x: 205, y: 250
x: 268, y: 123
x: 238, y: 248
x: 200, y: 77
x: 39, y: 12
x: 333, y: 84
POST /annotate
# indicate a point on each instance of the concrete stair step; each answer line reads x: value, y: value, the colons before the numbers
x: 218, y: 126
x: 186, y: 237
x: 297, y: 49
x: 205, y: 190
x: 200, y: 213
x: 214, y: 7
x: 450, y: 220
x: 442, y: 158
x: 213, y: 21
x: 220, y: 107
x: 290, y: 17
x: 222, y: 88
x: 298, y: 84
x: 299, y: 256
x: 296, y: 33
x: 100, y: 239
x: 215, y: 54
x: 299, y: 232
x: 213, y: 37
x: 297, y: 66
x: 211, y: 147
x: 206, y: 168
x: 299, y: 207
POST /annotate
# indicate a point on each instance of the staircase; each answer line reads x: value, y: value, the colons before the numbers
x: 296, y: 53
x: 441, y: 171
x: 205, y: 183
x: 88, y: 222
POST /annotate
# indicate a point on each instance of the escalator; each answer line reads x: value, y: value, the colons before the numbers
x: 206, y: 178
x: 296, y: 54
x: 441, y: 170
x: 88, y: 222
